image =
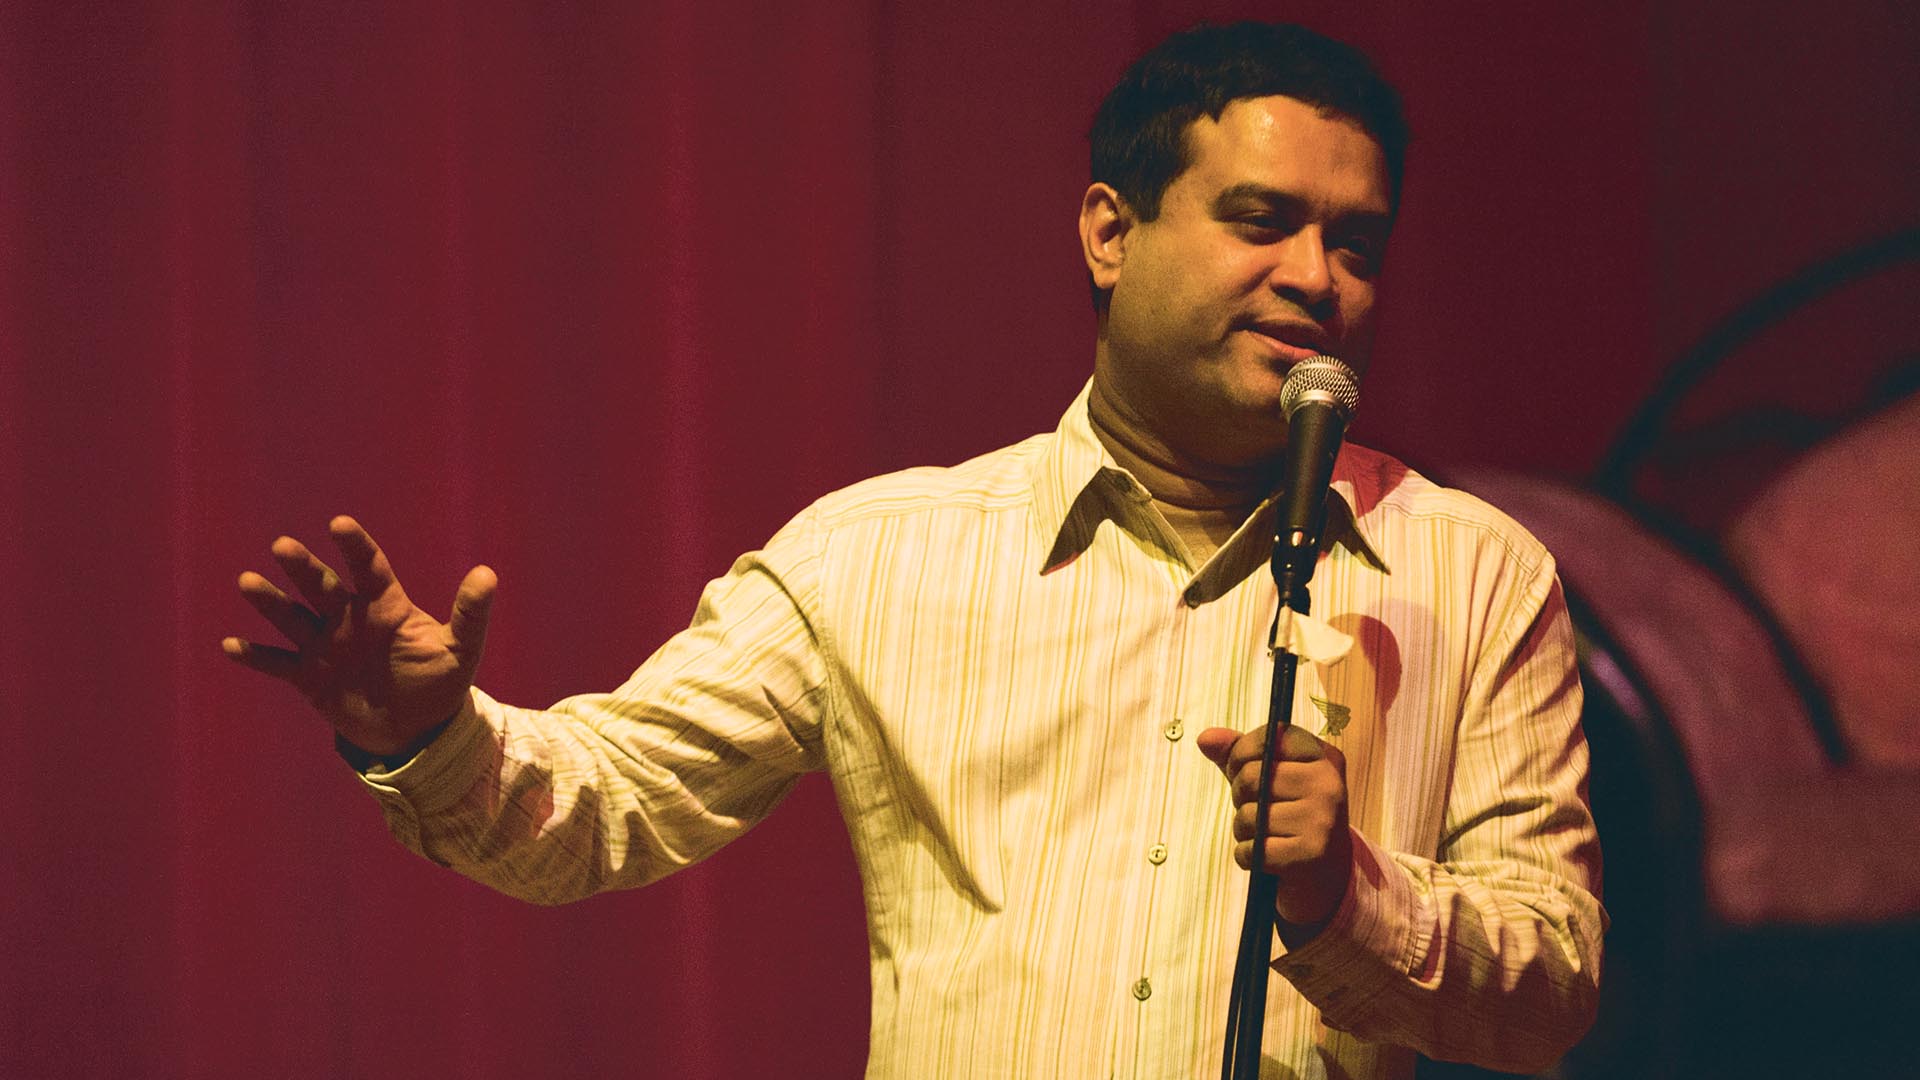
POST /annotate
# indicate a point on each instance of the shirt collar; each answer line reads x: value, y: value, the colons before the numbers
x: 1077, y: 484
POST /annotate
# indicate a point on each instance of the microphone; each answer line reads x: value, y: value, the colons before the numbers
x: 1318, y: 399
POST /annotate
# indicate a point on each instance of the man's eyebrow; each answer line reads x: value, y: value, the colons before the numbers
x: 1248, y: 191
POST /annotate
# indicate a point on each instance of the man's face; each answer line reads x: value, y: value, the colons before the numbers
x: 1265, y: 252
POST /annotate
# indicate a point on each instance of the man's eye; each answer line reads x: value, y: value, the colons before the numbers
x: 1264, y: 224
x: 1360, y: 252
x: 1365, y: 247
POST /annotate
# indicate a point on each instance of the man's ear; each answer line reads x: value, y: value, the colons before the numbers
x: 1105, y: 224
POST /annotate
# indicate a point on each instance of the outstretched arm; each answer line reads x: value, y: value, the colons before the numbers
x: 599, y: 791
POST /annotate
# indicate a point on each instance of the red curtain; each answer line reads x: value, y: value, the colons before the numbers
x: 601, y: 294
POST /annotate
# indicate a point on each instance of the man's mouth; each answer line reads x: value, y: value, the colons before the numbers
x: 1291, y: 341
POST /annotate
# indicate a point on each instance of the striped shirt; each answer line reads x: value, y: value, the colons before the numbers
x: 1002, y: 666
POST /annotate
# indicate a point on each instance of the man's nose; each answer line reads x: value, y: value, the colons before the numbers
x: 1300, y: 270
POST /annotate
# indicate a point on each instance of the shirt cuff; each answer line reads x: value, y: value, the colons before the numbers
x: 1367, y: 946
x: 443, y: 771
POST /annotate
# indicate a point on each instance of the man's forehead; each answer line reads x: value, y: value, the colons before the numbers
x: 1276, y: 117
x: 1281, y: 137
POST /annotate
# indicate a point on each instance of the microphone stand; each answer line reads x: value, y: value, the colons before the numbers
x: 1318, y: 398
x: 1293, y: 565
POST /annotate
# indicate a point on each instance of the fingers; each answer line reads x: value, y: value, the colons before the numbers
x: 1296, y: 744
x: 1286, y: 820
x: 1304, y: 839
x: 265, y: 659
x: 1300, y: 832
x: 323, y: 589
x: 1282, y: 853
x: 1235, y: 751
x: 367, y: 565
x: 295, y: 621
x: 1291, y: 780
x: 468, y: 626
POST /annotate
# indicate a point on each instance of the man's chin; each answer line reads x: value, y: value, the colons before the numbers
x: 1257, y: 396
x: 1253, y: 427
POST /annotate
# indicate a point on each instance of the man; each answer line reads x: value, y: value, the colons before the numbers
x: 1001, y: 666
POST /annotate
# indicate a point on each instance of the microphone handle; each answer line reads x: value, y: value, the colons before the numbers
x: 1314, y: 432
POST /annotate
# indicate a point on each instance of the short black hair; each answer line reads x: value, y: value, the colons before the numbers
x: 1139, y: 142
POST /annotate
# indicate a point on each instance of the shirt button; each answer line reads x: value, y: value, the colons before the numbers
x: 1142, y: 990
x: 1157, y: 854
x: 1174, y: 730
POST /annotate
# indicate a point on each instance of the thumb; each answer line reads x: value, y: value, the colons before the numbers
x: 468, y: 627
x: 1217, y: 744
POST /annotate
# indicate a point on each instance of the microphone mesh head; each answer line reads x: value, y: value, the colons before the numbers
x: 1324, y: 379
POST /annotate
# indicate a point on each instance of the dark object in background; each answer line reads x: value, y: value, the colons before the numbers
x: 1751, y: 654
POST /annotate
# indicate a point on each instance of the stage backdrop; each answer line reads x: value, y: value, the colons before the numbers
x: 603, y: 293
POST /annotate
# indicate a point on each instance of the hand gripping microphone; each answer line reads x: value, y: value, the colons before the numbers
x: 1318, y: 399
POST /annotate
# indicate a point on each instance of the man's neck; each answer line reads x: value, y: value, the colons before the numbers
x: 1204, y: 503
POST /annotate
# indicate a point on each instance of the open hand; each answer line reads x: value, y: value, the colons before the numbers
x: 382, y: 671
x: 1308, y: 847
